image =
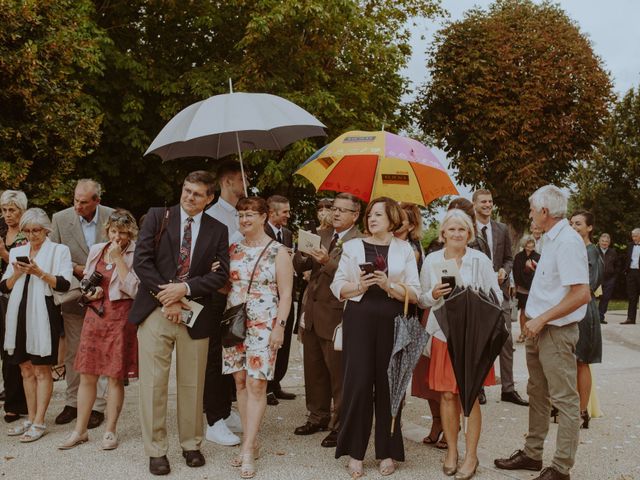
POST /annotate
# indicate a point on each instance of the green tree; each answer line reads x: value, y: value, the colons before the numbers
x: 48, y: 49
x: 608, y: 184
x: 516, y: 97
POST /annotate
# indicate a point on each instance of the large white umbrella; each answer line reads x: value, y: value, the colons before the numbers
x: 233, y: 123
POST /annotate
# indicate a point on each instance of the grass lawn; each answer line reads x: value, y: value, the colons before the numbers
x: 618, y: 305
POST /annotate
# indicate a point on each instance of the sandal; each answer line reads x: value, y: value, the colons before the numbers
x: 355, y: 472
x: 237, y: 460
x: 19, y: 429
x: 58, y: 372
x: 247, y: 468
x: 387, y: 467
x: 34, y: 433
x: 429, y: 440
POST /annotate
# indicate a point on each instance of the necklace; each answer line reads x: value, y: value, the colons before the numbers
x: 255, y: 243
x: 109, y: 261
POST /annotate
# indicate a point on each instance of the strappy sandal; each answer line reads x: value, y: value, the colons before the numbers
x: 355, y: 472
x: 387, y: 467
x: 35, y: 432
x: 429, y: 440
x: 247, y: 468
x: 237, y: 460
x: 19, y: 429
x: 58, y: 372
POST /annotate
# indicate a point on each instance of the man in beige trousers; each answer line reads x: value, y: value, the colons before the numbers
x: 557, y: 302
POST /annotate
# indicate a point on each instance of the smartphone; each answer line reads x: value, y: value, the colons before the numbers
x: 186, y: 316
x: 23, y: 259
x: 451, y: 281
x: 366, y: 267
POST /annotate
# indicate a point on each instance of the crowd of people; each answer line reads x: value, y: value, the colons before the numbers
x: 118, y: 297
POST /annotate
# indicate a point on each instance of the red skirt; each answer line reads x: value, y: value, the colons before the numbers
x: 441, y: 376
x: 420, y: 381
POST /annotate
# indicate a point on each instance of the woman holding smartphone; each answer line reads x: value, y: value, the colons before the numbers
x: 456, y: 232
x: 369, y: 276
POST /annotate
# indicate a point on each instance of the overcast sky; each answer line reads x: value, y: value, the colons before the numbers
x: 613, y: 27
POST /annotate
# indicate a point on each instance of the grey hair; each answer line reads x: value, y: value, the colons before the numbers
x: 455, y: 214
x: 93, y: 185
x: 14, y: 197
x: 527, y: 239
x: 635, y: 231
x: 605, y: 235
x: 551, y: 198
x: 35, y: 216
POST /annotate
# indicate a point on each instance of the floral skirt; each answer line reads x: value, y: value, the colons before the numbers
x: 253, y: 355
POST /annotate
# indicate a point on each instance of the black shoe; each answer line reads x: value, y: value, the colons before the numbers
x: 193, y: 457
x: 159, y: 465
x: 514, y: 397
x: 271, y: 399
x: 309, y: 429
x: 12, y: 417
x: 482, y: 398
x: 518, y: 461
x: 3, y: 396
x: 95, y: 419
x: 628, y: 322
x: 551, y: 473
x: 282, y: 395
x: 331, y: 440
x: 67, y: 415
x: 603, y: 321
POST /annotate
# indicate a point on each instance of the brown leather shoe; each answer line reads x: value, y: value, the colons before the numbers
x: 309, y: 429
x: 95, y: 419
x: 67, y: 415
x: 194, y: 458
x: 271, y: 399
x: 628, y: 321
x: 551, y: 473
x: 518, y: 461
x: 331, y: 440
x: 159, y: 465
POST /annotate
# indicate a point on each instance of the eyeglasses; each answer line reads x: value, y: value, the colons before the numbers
x: 32, y: 231
x: 342, y: 210
x: 120, y: 218
x: 247, y: 215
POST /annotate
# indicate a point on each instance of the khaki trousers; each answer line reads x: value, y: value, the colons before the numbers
x: 156, y: 338
x: 552, y: 368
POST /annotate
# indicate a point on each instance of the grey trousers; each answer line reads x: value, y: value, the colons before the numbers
x: 506, y: 354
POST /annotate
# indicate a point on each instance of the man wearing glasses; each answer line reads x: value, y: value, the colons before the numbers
x: 322, y: 313
x: 79, y: 228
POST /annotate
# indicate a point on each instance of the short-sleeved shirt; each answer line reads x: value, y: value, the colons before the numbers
x: 562, y: 264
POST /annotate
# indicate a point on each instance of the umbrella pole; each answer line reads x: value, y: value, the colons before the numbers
x: 244, y: 180
x: 393, y: 425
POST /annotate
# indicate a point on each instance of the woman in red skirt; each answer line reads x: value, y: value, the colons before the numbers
x: 108, y: 342
x: 456, y: 231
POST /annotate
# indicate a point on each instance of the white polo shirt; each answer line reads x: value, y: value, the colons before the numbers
x: 563, y: 263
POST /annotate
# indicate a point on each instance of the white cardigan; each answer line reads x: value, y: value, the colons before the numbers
x: 401, y: 262
x: 487, y: 279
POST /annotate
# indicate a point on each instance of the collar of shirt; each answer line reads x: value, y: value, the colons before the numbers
x: 340, y: 234
x: 94, y: 220
x: 557, y: 228
x: 275, y: 229
x: 184, y: 215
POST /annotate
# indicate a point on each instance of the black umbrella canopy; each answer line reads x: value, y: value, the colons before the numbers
x: 472, y: 322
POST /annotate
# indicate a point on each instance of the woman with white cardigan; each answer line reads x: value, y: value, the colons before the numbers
x: 456, y: 232
x: 369, y: 275
x: 33, y: 320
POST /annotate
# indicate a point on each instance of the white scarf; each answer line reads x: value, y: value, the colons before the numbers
x: 52, y: 260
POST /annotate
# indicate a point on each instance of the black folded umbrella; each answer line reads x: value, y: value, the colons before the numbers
x: 472, y: 322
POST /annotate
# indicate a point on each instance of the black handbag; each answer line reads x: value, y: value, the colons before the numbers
x: 233, y: 327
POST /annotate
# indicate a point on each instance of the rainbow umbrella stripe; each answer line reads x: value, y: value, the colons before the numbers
x: 374, y: 164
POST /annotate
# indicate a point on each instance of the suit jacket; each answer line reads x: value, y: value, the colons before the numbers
x: 610, y: 259
x: 287, y: 235
x: 155, y: 267
x: 502, y: 256
x: 66, y: 229
x: 322, y: 310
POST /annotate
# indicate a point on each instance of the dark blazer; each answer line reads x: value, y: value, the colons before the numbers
x: 521, y: 276
x: 502, y: 256
x: 610, y: 259
x: 156, y: 268
x: 287, y: 235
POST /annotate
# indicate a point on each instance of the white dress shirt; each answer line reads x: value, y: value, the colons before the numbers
x: 195, y: 228
x: 89, y: 229
x: 480, y: 226
x: 635, y: 257
x: 226, y: 213
x: 563, y: 264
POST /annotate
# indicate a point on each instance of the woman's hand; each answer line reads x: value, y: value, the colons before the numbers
x: 115, y: 251
x: 366, y: 280
x: 29, y: 268
x: 96, y: 295
x: 276, y: 339
x: 440, y: 289
x: 381, y: 280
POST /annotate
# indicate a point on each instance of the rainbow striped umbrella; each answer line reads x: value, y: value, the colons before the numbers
x: 374, y: 164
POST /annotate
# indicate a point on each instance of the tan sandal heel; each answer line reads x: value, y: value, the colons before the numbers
x: 247, y: 468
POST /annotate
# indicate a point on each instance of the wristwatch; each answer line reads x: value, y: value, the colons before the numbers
x: 391, y: 287
x: 282, y: 323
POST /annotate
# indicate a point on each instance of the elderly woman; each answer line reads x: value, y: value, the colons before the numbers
x: 524, y: 267
x: 370, y: 275
x: 456, y: 232
x: 266, y: 265
x: 33, y: 320
x: 13, y: 204
x: 108, y: 341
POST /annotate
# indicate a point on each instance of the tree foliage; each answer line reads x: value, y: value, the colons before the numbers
x: 516, y: 97
x: 608, y: 184
x: 47, y: 121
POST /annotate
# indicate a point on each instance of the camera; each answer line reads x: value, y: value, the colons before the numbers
x: 88, y: 285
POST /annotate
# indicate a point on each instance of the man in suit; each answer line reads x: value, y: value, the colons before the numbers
x: 496, y: 236
x: 174, y: 255
x: 322, y: 312
x: 79, y: 228
x: 610, y: 259
x: 276, y: 228
x: 632, y: 269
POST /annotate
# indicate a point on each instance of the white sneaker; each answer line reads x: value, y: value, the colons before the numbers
x: 219, y: 433
x: 233, y: 422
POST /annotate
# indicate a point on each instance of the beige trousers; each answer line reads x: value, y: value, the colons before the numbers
x: 156, y: 338
x: 552, y: 368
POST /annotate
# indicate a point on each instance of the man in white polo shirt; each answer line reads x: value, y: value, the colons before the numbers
x: 557, y: 302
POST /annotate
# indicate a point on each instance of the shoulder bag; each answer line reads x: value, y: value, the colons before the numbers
x: 72, y: 295
x: 233, y: 327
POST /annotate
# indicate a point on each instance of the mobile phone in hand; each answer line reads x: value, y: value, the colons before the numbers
x: 23, y: 259
x: 451, y: 281
x: 366, y: 267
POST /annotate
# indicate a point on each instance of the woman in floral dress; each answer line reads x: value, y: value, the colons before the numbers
x: 268, y: 301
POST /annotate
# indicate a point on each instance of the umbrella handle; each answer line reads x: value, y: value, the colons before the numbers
x: 393, y: 424
x: 406, y: 298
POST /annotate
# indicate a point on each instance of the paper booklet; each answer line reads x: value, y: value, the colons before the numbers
x: 307, y: 241
x: 448, y: 268
x: 189, y: 317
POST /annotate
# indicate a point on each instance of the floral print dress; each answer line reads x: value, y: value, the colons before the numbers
x: 254, y: 354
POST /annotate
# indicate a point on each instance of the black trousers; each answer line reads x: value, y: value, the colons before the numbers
x: 218, y: 388
x: 633, y: 292
x: 367, y: 336
x: 282, y: 360
x: 15, y: 401
x: 608, y: 286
